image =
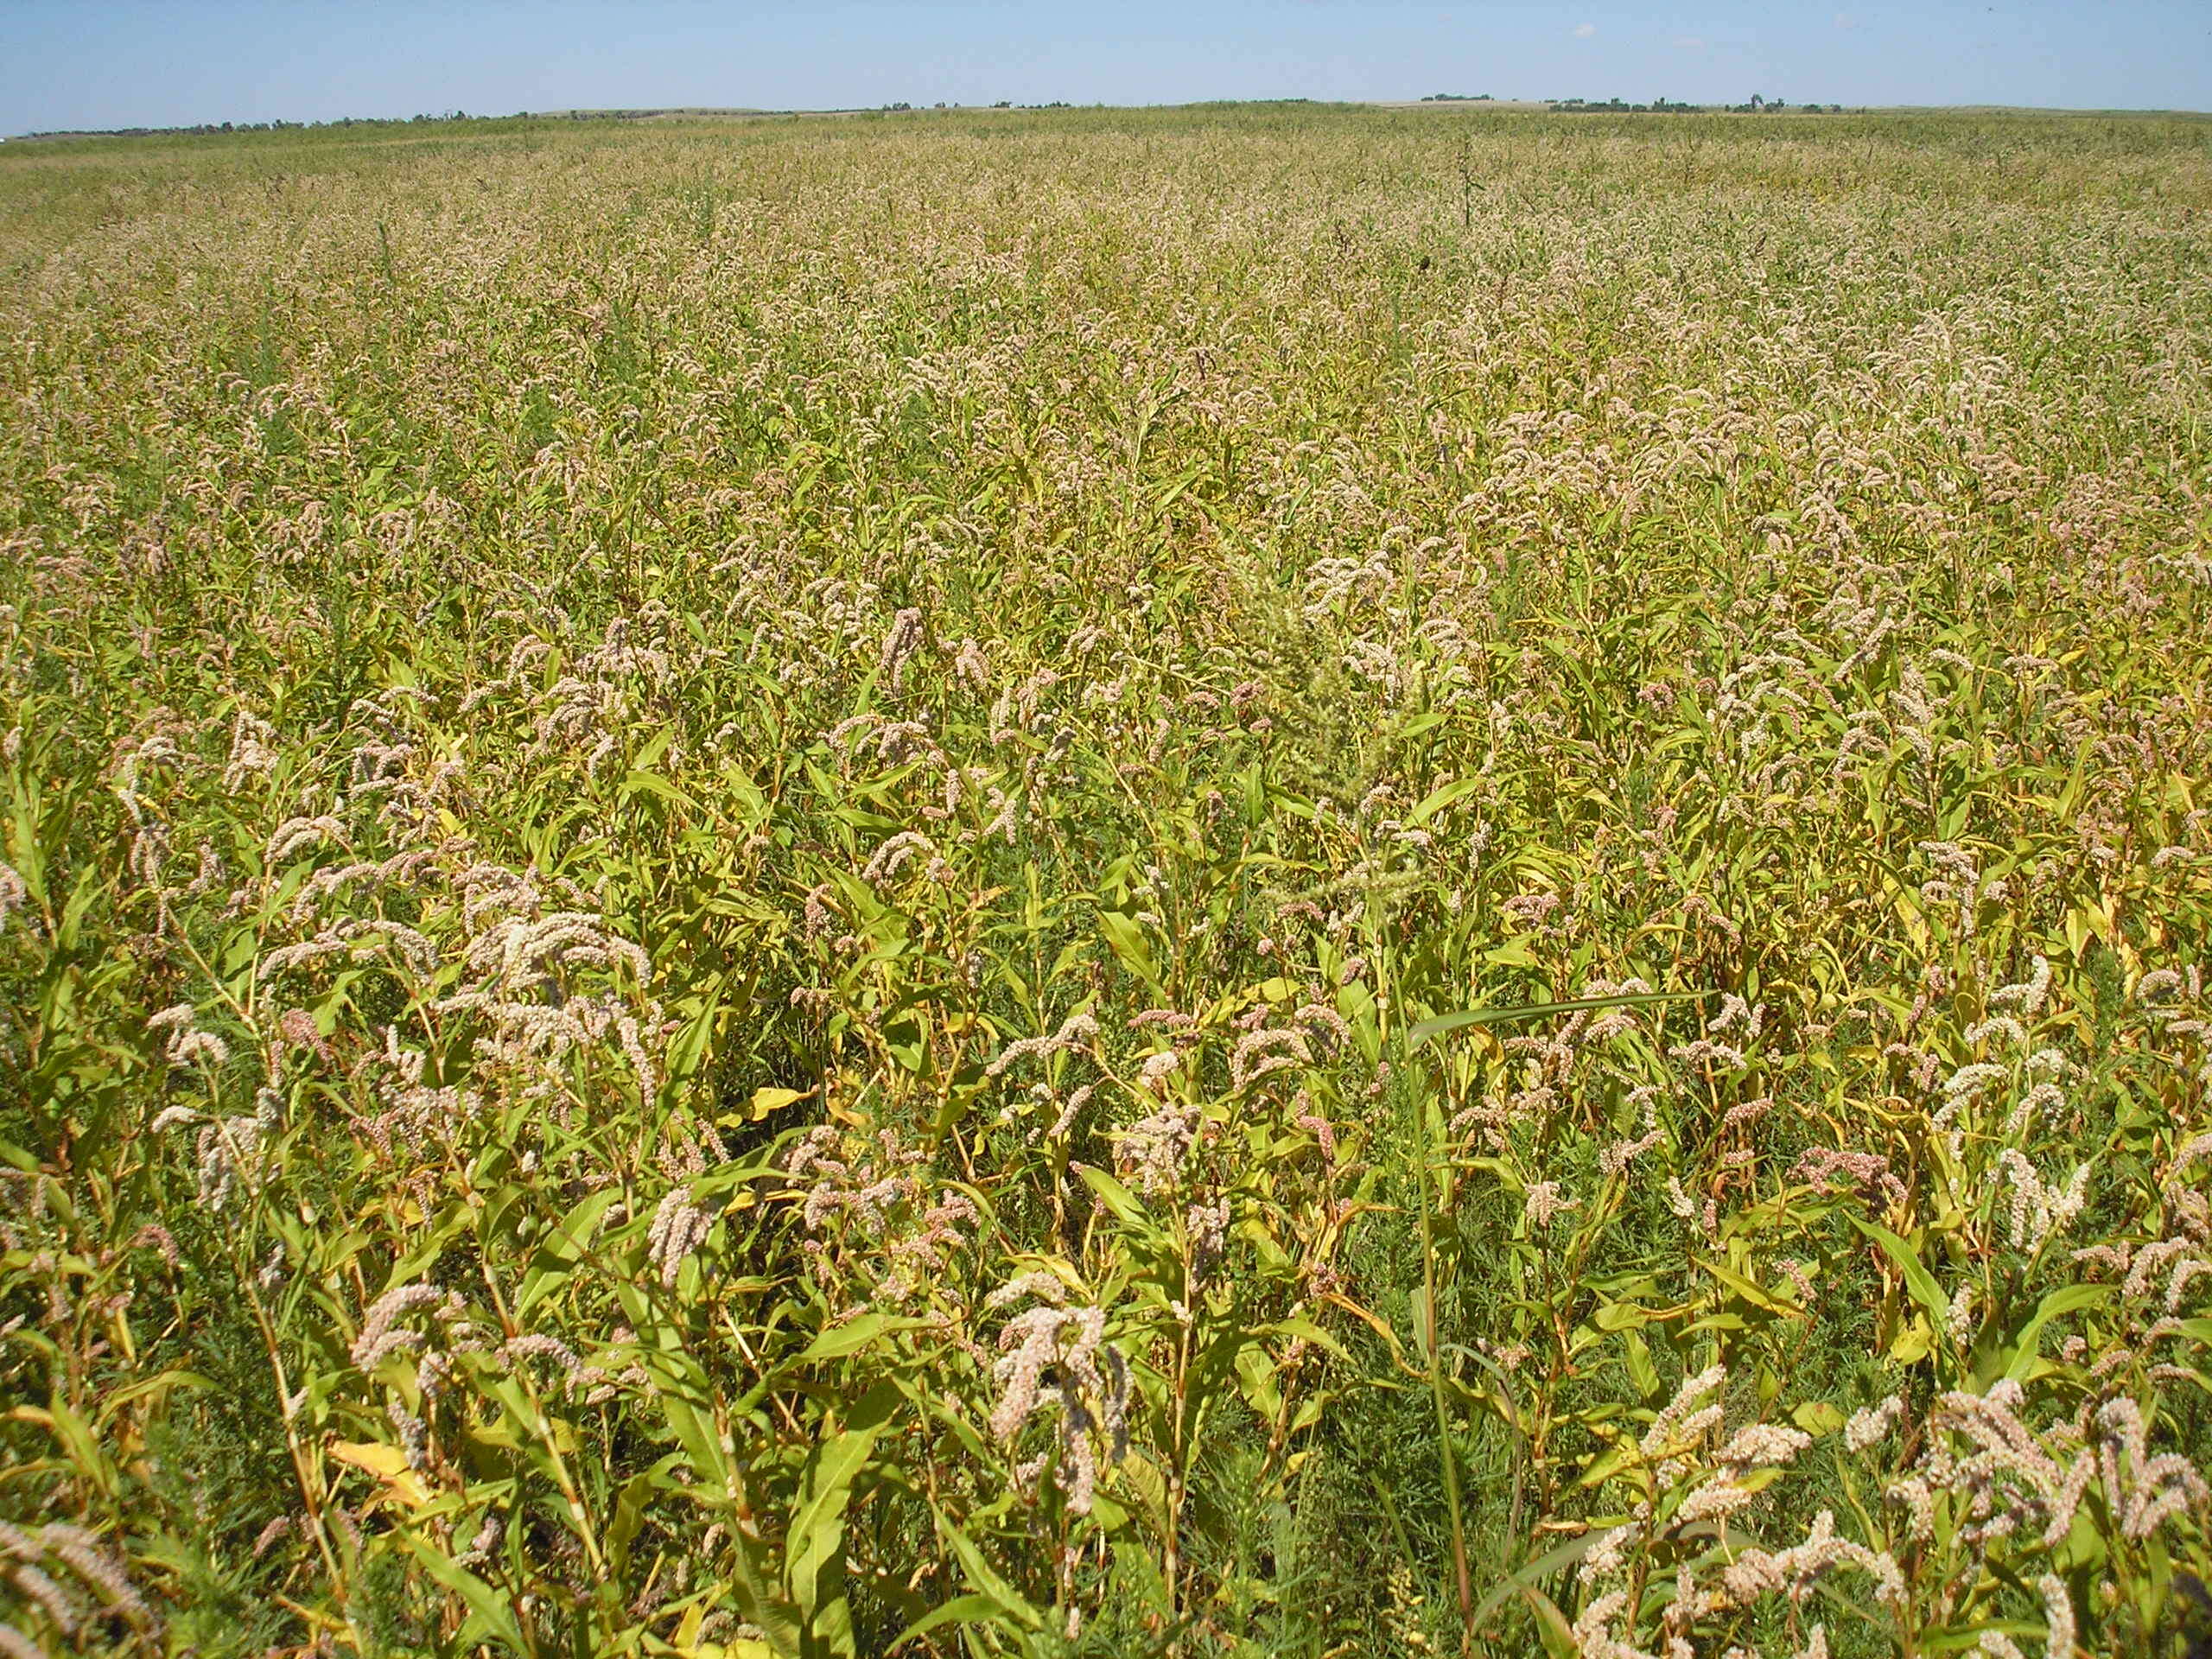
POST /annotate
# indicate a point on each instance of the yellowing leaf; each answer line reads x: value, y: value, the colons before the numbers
x: 388, y: 1464
x: 1512, y: 954
x: 379, y: 1460
x: 1913, y: 1342
x: 766, y: 1101
x: 687, y: 1633
x: 1817, y: 1417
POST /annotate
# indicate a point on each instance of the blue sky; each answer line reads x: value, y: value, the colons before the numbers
x: 105, y: 63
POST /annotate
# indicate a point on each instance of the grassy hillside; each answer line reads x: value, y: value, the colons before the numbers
x: 731, y: 856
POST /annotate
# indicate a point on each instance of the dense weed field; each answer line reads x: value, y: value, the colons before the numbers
x: 736, y: 856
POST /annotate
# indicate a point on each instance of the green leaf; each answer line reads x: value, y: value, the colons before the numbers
x: 1621, y: 1316
x: 1115, y: 1197
x: 2067, y: 1298
x: 629, y: 1515
x: 489, y: 1612
x: 550, y: 1265
x: 1437, y: 800
x: 970, y: 1609
x: 1635, y: 1357
x: 1921, y: 1282
x: 1551, y: 1624
x: 980, y: 1574
x: 1751, y: 1292
x: 1442, y: 1023
x: 1126, y: 939
x: 652, y: 783
x: 690, y: 1047
x: 1255, y: 1375
x: 815, y: 1550
x: 1305, y: 1330
x: 1552, y: 1560
x: 854, y: 1335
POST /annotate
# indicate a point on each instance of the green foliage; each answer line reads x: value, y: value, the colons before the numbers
x: 1236, y: 882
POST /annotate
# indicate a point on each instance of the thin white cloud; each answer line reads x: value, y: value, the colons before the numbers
x: 1584, y: 31
x: 1846, y: 20
x: 1689, y: 43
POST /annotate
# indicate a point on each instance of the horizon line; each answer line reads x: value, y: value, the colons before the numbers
x: 1461, y: 102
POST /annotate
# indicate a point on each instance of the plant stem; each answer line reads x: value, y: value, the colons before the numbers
x: 1431, y: 1218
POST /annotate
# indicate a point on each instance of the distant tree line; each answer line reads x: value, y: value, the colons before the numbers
x: 205, y: 128
x: 1756, y: 105
x: 1003, y: 103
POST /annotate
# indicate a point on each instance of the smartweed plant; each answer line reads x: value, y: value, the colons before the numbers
x: 1274, y: 881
